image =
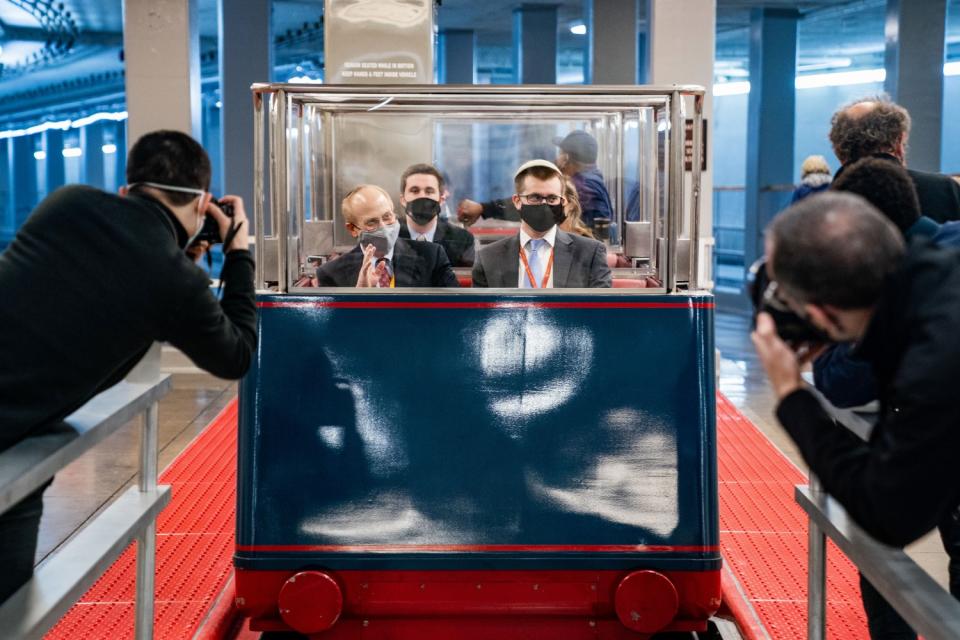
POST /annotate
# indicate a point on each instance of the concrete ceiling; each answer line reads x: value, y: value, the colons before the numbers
x: 830, y: 29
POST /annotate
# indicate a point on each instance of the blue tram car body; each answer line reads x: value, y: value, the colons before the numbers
x: 497, y: 463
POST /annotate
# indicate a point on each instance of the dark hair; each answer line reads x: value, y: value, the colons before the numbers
x: 878, y: 130
x: 538, y: 172
x: 172, y: 158
x: 426, y: 169
x: 884, y: 184
x: 833, y: 248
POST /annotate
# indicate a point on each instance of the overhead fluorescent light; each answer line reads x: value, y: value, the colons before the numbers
x: 39, y: 155
x: 108, y: 148
x: 951, y: 69
x: 72, y: 152
x: 844, y: 78
x: 578, y: 29
x: 731, y: 88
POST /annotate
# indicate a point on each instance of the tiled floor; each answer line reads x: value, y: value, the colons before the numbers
x: 85, y: 486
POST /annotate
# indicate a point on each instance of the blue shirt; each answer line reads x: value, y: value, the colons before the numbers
x: 594, y: 198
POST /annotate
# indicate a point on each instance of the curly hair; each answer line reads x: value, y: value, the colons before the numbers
x: 878, y: 130
x: 884, y: 184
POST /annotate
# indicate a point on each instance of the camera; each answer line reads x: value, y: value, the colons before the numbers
x: 210, y: 231
x: 792, y: 328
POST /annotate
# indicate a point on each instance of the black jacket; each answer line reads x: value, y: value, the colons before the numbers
x: 903, y: 482
x: 415, y: 264
x: 90, y: 281
x: 456, y: 242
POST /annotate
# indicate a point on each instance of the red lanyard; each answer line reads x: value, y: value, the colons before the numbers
x: 546, y: 275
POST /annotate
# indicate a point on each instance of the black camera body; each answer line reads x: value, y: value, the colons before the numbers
x: 792, y: 328
x: 210, y: 231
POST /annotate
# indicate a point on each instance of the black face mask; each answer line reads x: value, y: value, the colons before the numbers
x: 541, y: 217
x: 423, y: 210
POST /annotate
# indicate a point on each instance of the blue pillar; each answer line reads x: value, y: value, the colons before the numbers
x: 53, y: 145
x: 642, y: 55
x: 535, y: 44
x: 120, y: 157
x: 612, y: 35
x: 7, y: 221
x: 24, y: 182
x: 915, y: 36
x: 91, y: 141
x: 245, y: 57
x: 458, y: 56
x: 770, y: 122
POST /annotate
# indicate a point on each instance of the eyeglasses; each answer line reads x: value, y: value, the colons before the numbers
x: 538, y: 198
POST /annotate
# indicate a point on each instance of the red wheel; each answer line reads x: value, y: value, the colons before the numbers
x: 310, y: 602
x: 646, y: 601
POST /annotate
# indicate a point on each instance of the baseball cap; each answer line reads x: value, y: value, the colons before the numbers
x: 536, y: 163
x: 579, y: 145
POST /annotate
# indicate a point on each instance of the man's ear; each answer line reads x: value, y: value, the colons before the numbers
x: 822, y: 318
x: 352, y: 229
x: 123, y: 191
x: 516, y: 202
x: 901, y: 151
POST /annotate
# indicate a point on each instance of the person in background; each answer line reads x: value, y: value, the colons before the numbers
x: 422, y: 194
x: 814, y: 178
x: 578, y: 161
x: 541, y: 256
x: 877, y: 127
x: 573, y: 223
x: 382, y: 258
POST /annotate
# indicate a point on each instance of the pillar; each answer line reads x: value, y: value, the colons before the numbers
x: 612, y: 41
x: 770, y: 121
x: 246, y: 56
x: 458, y: 56
x: 120, y: 155
x: 56, y: 173
x: 535, y: 44
x: 24, y: 178
x: 915, y: 37
x: 91, y: 141
x: 161, y: 45
x: 680, y: 50
x: 7, y: 221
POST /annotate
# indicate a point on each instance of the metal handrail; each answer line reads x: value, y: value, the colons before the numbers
x: 69, y: 572
x: 924, y: 604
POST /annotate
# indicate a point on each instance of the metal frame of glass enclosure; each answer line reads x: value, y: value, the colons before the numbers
x: 294, y: 139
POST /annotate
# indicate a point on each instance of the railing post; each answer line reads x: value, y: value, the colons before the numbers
x: 147, y: 539
x: 816, y: 573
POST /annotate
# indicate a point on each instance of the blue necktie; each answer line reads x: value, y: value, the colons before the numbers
x: 533, y: 259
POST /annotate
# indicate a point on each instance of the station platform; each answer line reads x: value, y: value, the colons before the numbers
x: 763, y: 532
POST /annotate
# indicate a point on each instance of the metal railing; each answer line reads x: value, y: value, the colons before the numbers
x: 66, y: 575
x: 924, y: 604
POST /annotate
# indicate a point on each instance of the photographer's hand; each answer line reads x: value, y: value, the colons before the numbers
x: 779, y: 361
x: 239, y: 220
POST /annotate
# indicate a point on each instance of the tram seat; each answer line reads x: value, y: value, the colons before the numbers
x: 629, y: 283
x: 465, y: 281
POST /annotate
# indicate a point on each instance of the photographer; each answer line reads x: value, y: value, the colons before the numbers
x: 91, y: 280
x: 842, y: 266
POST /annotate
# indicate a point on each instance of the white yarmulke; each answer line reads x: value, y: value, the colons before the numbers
x: 535, y: 163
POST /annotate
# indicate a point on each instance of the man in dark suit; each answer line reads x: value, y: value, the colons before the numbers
x: 422, y: 194
x: 382, y: 258
x: 541, y: 256
x: 880, y: 128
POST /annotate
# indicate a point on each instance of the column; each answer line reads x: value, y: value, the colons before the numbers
x: 458, y: 56
x: 53, y: 145
x: 535, y: 44
x: 7, y: 221
x: 915, y: 36
x: 120, y: 155
x: 612, y: 34
x: 91, y: 141
x: 161, y: 44
x: 770, y: 121
x: 24, y: 178
x: 680, y: 49
x: 246, y: 56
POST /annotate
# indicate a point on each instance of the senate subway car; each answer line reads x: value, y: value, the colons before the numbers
x: 466, y: 462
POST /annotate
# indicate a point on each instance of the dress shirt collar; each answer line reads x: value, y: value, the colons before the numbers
x: 550, y: 236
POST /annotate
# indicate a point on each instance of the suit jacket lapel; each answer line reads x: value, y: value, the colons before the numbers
x: 407, y: 265
x: 510, y: 273
x: 440, y: 231
x: 562, y: 259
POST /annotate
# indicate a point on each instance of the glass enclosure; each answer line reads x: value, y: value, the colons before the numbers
x: 317, y: 143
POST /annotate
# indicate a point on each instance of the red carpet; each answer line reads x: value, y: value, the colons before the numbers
x: 763, y: 539
x: 194, y: 547
x: 762, y: 535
